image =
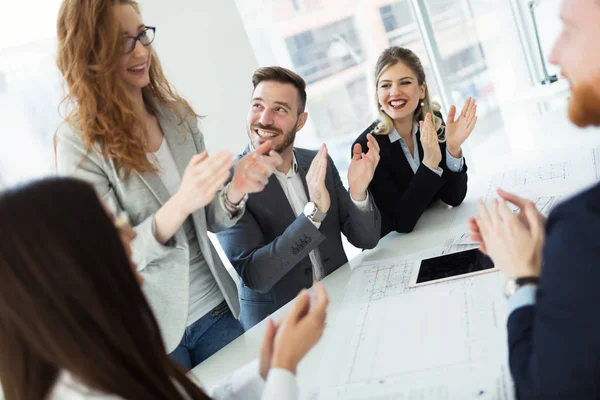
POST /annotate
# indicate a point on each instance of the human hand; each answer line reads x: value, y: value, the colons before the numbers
x: 266, y: 349
x: 514, y: 247
x: 315, y: 180
x: 252, y: 172
x: 432, y: 155
x: 520, y: 202
x: 458, y: 131
x: 202, y: 179
x: 300, y: 329
x: 362, y: 168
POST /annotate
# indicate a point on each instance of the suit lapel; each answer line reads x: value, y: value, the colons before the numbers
x: 303, y: 167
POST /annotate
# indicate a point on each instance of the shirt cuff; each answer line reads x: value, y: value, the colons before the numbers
x: 281, y: 384
x: 315, y: 223
x: 454, y: 164
x: 438, y: 172
x: 524, y: 296
x: 244, y: 383
x: 362, y: 205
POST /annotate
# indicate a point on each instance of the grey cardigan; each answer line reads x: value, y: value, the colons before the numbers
x: 165, y: 268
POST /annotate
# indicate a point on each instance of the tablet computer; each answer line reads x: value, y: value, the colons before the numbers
x: 451, y: 266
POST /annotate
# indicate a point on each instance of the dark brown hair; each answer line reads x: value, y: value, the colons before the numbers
x: 389, y: 57
x: 69, y: 301
x: 282, y: 75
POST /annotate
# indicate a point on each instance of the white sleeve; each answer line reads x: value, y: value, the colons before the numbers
x: 281, y: 384
x: 247, y: 384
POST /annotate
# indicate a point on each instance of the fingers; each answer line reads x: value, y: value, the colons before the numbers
x: 536, y: 224
x: 513, y: 198
x: 373, y: 153
x: 316, y: 163
x: 357, y: 151
x: 371, y: 139
x: 451, y: 115
x: 198, y: 158
x: 473, y: 227
x: 466, y: 107
x: 322, y: 169
x: 484, y: 220
x: 267, y: 344
x: 263, y: 148
x: 319, y: 310
x: 300, y: 307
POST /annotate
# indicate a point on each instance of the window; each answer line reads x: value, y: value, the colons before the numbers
x: 319, y: 53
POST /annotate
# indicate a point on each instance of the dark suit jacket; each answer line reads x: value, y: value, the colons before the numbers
x: 403, y: 196
x: 269, y: 246
x: 554, y: 346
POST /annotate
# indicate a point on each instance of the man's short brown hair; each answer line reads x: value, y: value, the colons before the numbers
x: 282, y: 75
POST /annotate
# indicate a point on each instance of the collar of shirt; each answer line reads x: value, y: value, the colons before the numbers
x: 291, y: 173
x: 395, y: 136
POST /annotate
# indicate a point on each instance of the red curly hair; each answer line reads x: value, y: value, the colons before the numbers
x: 98, y: 101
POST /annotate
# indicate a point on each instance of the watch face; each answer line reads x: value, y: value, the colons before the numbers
x: 310, y: 209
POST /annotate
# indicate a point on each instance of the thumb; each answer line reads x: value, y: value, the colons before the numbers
x: 451, y: 115
x: 356, y: 152
x: 267, y: 346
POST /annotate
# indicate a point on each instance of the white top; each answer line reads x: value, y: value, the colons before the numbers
x: 204, y: 293
x: 292, y: 186
x: 244, y: 384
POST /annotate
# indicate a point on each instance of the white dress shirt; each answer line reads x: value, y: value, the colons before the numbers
x: 454, y: 164
x: 292, y: 186
x: 244, y: 384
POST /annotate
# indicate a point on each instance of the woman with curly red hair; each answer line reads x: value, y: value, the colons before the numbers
x: 137, y: 141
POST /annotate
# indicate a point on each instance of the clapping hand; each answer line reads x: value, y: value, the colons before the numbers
x: 432, y: 155
x: 252, y: 172
x: 362, y: 168
x: 315, y: 180
x: 458, y: 131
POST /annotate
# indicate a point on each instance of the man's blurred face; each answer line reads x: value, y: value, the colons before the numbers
x: 577, y: 53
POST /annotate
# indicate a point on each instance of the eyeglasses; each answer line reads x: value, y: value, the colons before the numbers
x: 146, y: 37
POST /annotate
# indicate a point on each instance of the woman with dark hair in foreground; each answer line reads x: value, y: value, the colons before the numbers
x: 74, y: 323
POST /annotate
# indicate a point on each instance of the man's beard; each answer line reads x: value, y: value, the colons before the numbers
x: 288, y: 137
x: 584, y: 105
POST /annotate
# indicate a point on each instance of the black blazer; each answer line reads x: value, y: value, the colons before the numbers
x: 554, y: 346
x: 401, y: 195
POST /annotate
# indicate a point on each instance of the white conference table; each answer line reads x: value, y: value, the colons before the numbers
x: 560, y: 140
x: 429, y: 233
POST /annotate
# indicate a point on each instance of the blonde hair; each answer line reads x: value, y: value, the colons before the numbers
x: 391, y: 56
x: 100, y: 103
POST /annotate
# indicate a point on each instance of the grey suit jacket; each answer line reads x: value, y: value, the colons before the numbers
x: 269, y: 246
x: 165, y: 268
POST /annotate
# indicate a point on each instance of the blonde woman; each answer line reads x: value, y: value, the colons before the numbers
x: 421, y: 157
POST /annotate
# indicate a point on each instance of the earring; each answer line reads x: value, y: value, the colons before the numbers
x: 381, y: 108
x: 422, y: 104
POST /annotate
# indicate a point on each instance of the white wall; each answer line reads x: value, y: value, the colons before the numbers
x: 207, y: 56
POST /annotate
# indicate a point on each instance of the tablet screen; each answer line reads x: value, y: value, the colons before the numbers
x: 451, y: 265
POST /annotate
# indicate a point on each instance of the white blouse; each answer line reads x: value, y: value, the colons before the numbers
x: 244, y: 384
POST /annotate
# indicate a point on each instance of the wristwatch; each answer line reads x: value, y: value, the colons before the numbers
x: 512, y: 285
x: 312, y: 212
x: 233, y: 209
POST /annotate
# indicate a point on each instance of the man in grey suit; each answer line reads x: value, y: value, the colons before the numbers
x: 290, y: 233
